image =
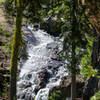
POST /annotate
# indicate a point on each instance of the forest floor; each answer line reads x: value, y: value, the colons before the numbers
x: 6, y: 31
x: 4, y: 55
x: 6, y: 22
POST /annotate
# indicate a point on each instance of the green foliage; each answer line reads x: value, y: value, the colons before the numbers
x: 9, y: 7
x: 7, y: 46
x: 4, y: 32
x: 1, y: 2
x: 1, y: 29
x: 30, y: 9
x: 87, y: 70
x: 57, y: 96
x: 73, y: 32
x: 4, y: 86
x: 96, y: 96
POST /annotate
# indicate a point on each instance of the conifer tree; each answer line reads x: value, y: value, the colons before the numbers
x: 15, y: 49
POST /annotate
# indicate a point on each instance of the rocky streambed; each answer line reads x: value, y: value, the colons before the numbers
x: 42, y: 70
x: 43, y: 73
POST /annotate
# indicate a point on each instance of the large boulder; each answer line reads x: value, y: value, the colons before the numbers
x: 91, y: 87
x: 65, y: 87
x: 52, y: 45
x: 43, y: 77
x: 25, y: 84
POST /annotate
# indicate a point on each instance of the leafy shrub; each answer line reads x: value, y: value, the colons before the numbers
x: 87, y: 70
x: 9, y: 8
x: 57, y: 96
x: 4, y: 32
x: 96, y: 96
x: 1, y: 2
x: 7, y: 46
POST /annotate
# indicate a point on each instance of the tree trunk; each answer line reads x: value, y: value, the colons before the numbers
x: 15, y: 50
x: 73, y: 87
x: 73, y: 73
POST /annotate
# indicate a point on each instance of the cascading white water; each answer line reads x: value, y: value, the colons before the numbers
x: 38, y: 58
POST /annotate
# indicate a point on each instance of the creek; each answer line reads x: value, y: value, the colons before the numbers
x: 41, y: 71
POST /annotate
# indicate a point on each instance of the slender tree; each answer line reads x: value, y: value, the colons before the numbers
x: 15, y: 49
x: 74, y: 42
x: 74, y: 32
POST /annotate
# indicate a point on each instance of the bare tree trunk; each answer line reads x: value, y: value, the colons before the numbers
x: 15, y: 50
x: 73, y: 73
x: 73, y: 87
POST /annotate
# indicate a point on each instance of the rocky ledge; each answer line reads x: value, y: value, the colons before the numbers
x: 65, y: 87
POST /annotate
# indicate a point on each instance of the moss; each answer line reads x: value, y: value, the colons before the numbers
x: 15, y: 49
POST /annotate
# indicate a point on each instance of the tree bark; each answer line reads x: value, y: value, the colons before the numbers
x: 73, y: 87
x: 73, y: 63
x: 15, y: 50
x: 73, y: 73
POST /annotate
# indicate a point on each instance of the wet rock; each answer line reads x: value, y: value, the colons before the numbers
x: 65, y: 86
x: 38, y: 87
x: 21, y: 96
x: 28, y: 76
x: 90, y: 88
x: 51, y: 45
x: 54, y: 65
x: 42, y: 83
x: 54, y: 57
x: 29, y: 84
x: 43, y: 75
x: 1, y: 98
x: 25, y: 84
x: 28, y: 96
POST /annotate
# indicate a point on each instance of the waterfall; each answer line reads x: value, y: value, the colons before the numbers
x: 38, y: 74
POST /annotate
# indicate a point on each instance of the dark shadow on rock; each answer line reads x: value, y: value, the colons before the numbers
x: 65, y: 87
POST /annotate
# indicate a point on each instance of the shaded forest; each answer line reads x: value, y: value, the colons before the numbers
x: 49, y: 49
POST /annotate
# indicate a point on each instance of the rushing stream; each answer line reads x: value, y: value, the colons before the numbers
x: 39, y: 73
